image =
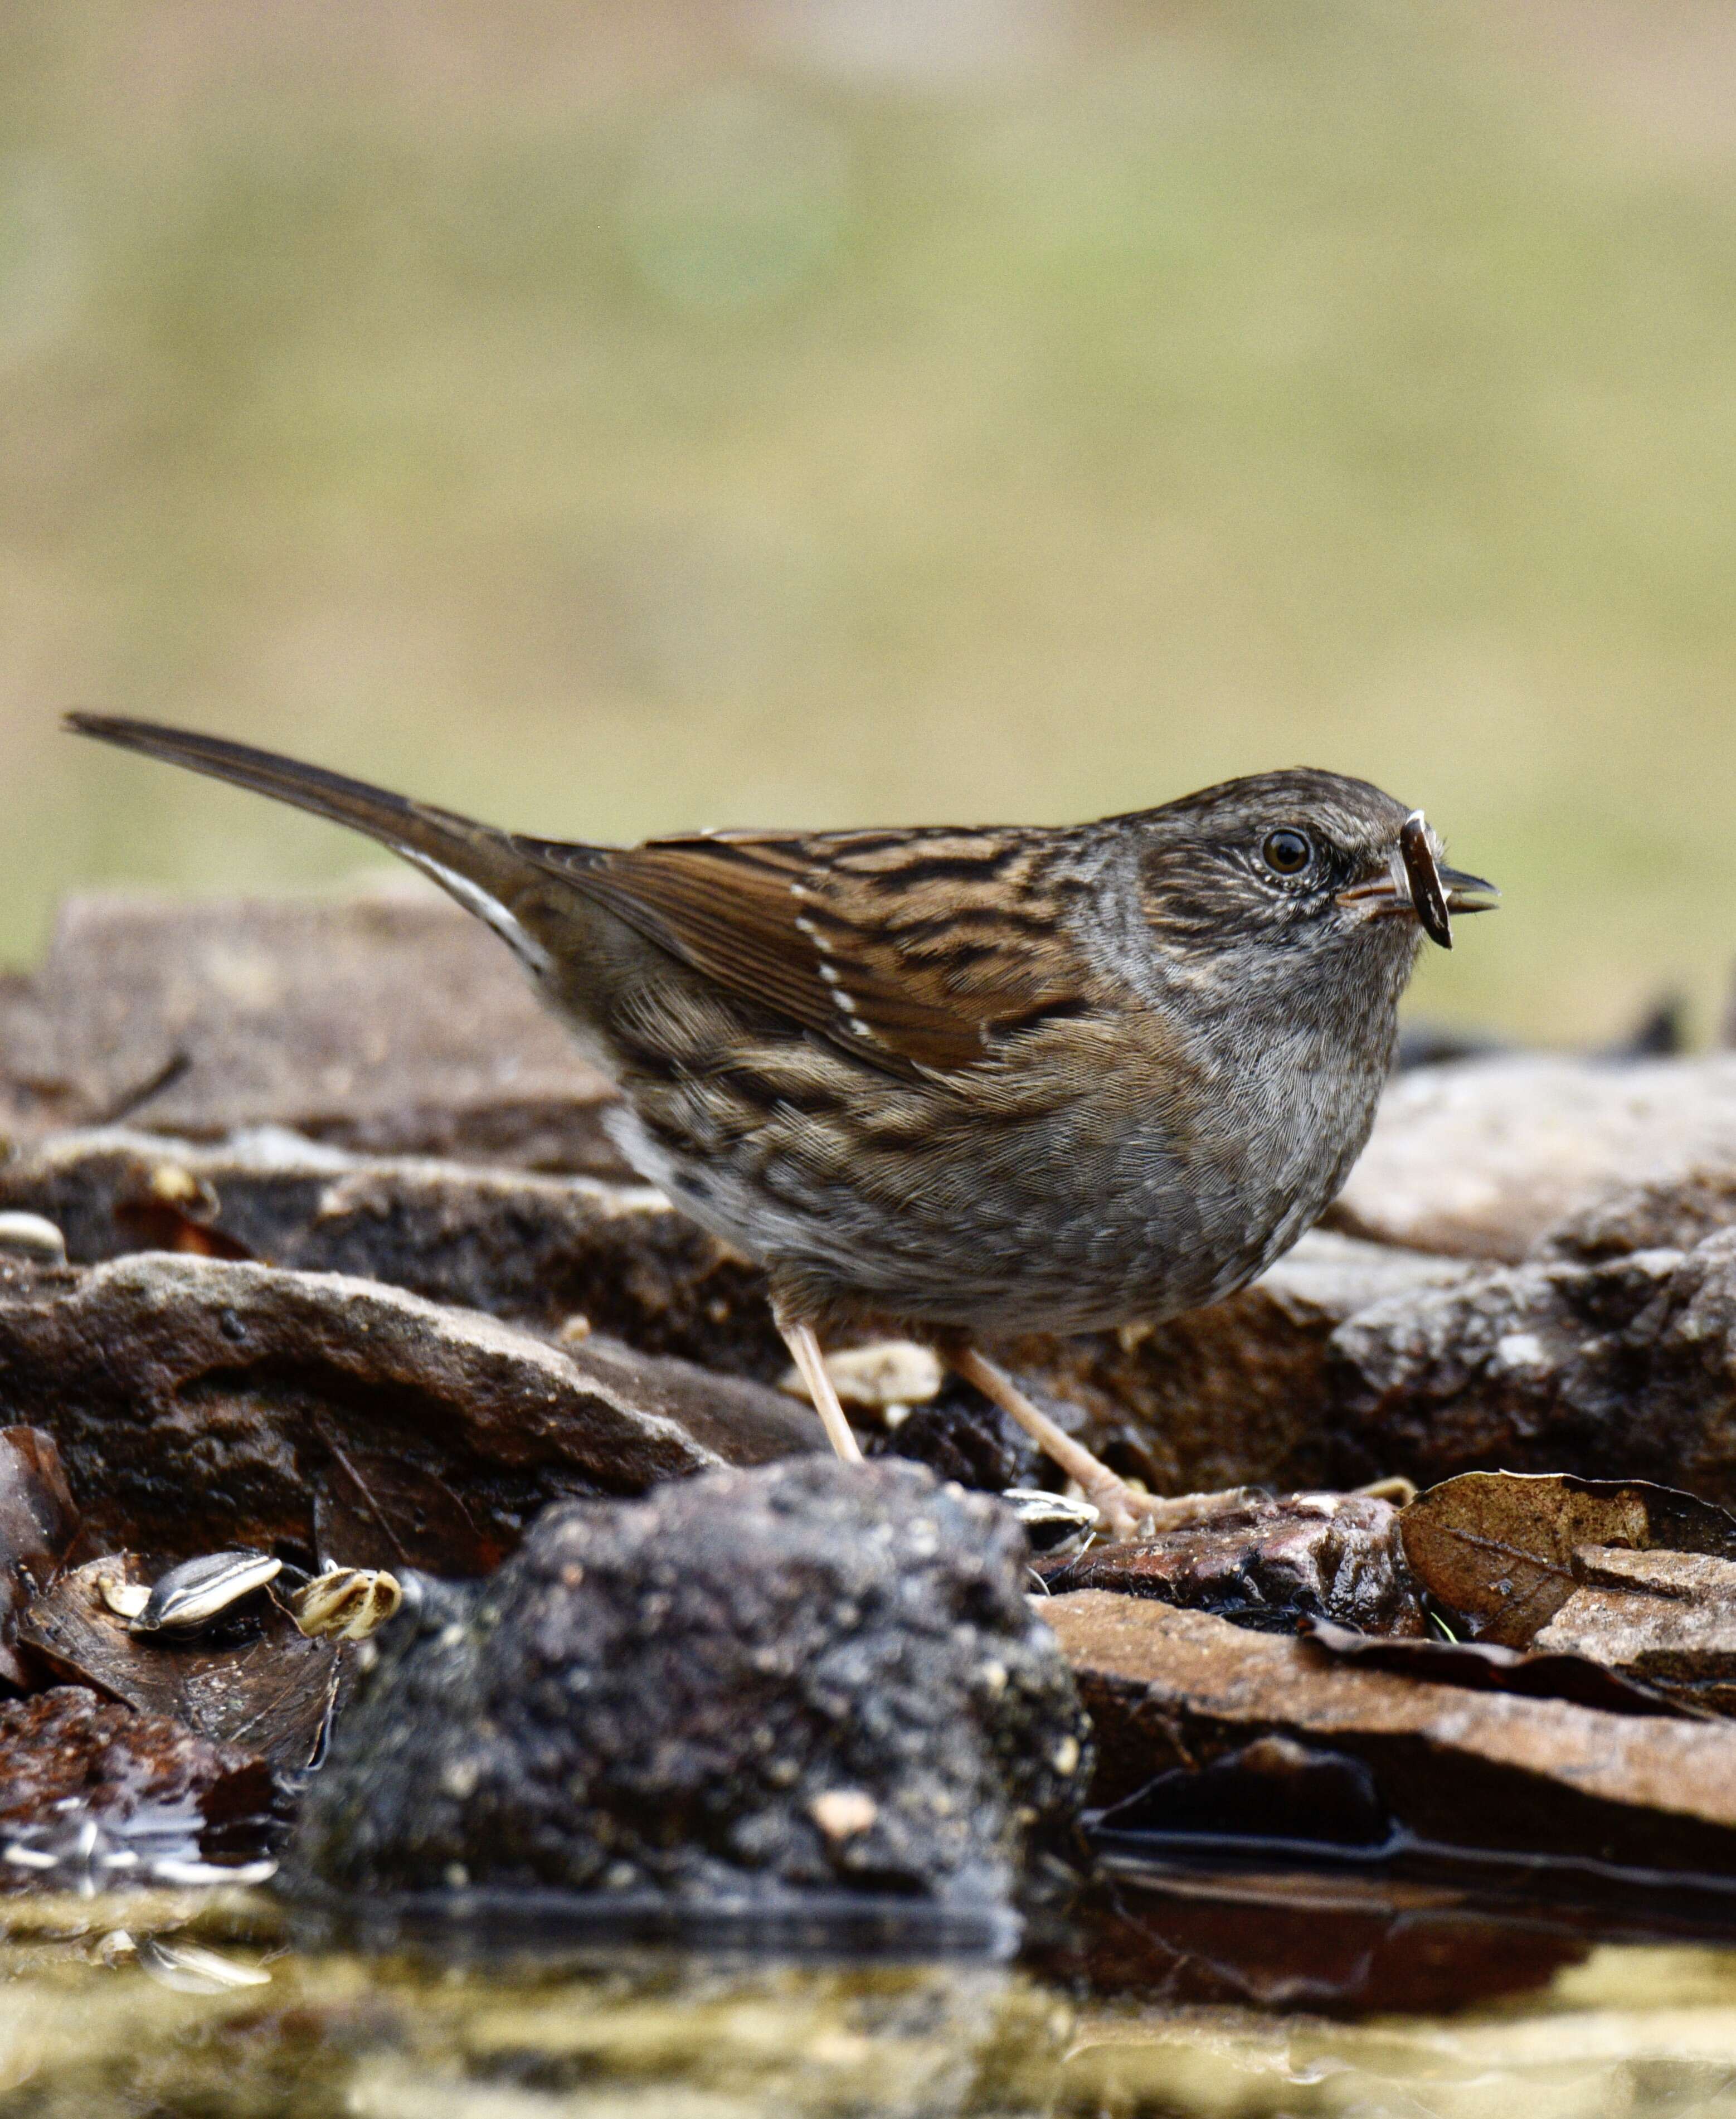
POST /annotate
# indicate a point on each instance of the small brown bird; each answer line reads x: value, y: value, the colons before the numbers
x: 948, y: 1080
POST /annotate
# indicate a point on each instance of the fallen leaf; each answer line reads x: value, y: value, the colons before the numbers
x: 39, y: 1521
x: 270, y: 1691
x: 1495, y: 1549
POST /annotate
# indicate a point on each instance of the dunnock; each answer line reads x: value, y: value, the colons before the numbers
x: 952, y: 1081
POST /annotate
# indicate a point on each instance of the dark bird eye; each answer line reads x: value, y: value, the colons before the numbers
x: 1287, y: 852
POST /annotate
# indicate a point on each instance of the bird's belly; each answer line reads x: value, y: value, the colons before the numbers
x: 1052, y: 1233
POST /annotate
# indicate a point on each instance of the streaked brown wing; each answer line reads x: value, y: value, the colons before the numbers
x: 909, y: 948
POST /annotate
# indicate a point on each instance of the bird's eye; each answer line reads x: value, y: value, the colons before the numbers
x: 1287, y: 853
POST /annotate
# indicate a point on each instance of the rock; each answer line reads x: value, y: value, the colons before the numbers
x: 1333, y: 1556
x: 69, y: 1761
x: 1173, y: 1693
x: 812, y: 1677
x: 1667, y: 1620
x: 537, y: 1249
x: 166, y: 1380
x: 961, y: 1436
x: 1625, y: 1369
x: 1671, y: 1212
x: 314, y: 1013
x: 1481, y: 1159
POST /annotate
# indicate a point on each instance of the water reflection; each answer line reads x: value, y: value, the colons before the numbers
x: 1502, y: 2016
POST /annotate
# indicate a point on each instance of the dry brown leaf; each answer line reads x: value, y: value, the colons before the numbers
x: 1495, y: 1549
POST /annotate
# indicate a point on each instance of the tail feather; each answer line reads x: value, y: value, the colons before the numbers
x: 483, y: 868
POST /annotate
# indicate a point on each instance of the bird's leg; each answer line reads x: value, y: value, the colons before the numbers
x: 1123, y: 1511
x: 804, y: 1351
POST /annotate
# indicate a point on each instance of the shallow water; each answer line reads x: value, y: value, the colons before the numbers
x: 1238, y: 1996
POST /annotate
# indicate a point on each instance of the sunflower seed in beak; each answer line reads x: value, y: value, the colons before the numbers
x: 1427, y: 896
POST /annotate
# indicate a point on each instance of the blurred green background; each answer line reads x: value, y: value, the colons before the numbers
x: 633, y: 415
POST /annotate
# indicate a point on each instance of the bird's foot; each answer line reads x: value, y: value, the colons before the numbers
x: 1123, y: 1508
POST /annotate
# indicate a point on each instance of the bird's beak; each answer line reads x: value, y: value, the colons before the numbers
x: 1416, y: 884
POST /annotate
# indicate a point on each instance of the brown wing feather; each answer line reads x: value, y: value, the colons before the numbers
x: 910, y: 948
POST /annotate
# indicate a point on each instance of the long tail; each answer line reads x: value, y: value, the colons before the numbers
x: 485, y: 869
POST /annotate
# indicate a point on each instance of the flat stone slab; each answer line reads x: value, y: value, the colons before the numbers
x: 199, y: 1402
x: 537, y: 1249
x: 1334, y: 1557
x: 1482, y: 1158
x: 392, y: 1022
x: 1666, y: 1618
x: 1168, y: 1688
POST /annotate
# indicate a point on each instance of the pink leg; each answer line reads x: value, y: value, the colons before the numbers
x: 804, y: 1351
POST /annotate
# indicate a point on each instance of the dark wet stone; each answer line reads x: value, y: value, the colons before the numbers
x: 66, y: 1747
x: 168, y: 1381
x: 962, y: 1436
x: 1335, y: 1557
x: 314, y: 1013
x: 812, y: 1677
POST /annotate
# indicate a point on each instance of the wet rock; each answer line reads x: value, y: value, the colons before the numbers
x: 66, y: 1756
x: 257, y: 1682
x: 1172, y: 1692
x: 39, y: 1524
x: 1335, y: 1557
x: 538, y: 1249
x: 314, y: 1013
x: 814, y: 1677
x: 1623, y: 1370
x: 962, y: 1436
x: 1481, y: 1160
x: 1666, y: 1618
x: 166, y: 1380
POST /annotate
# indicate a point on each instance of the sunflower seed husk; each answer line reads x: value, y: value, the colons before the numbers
x: 1053, y: 1522
x: 34, y: 1235
x: 196, y: 1591
x: 126, y: 1599
x: 190, y: 1970
x: 346, y: 1603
